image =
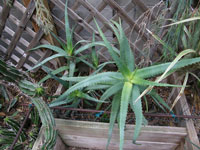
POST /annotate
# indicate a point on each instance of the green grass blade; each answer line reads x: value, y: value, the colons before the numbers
x: 165, y: 45
x: 125, y: 98
x: 137, y: 108
x: 113, y: 116
x: 183, y: 21
x: 94, y: 55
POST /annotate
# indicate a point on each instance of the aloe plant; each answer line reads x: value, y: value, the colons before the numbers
x: 125, y: 85
x: 69, y: 50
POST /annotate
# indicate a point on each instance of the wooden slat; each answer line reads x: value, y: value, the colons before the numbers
x: 125, y: 16
x: 76, y: 17
x: 39, y: 142
x: 18, y: 49
x: 103, y: 20
x: 14, y: 57
x: 4, y: 15
x: 89, y: 18
x: 143, y: 7
x: 183, y: 108
x: 154, y: 137
x: 27, y: 15
x: 100, y: 144
x: 32, y: 44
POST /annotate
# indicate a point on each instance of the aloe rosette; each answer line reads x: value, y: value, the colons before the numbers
x: 125, y: 85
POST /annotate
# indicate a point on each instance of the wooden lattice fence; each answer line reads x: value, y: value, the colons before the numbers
x: 19, y: 34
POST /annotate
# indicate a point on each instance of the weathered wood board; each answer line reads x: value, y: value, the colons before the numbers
x: 93, y: 135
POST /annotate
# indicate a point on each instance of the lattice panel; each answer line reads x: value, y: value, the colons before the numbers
x: 18, y: 38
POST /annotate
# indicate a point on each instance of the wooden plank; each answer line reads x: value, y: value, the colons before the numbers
x: 47, y: 37
x: 103, y: 20
x: 89, y: 18
x: 101, y: 125
x: 32, y: 44
x: 73, y: 131
x: 152, y: 136
x: 39, y: 142
x: 143, y: 7
x: 26, y: 43
x: 21, y: 40
x: 4, y: 15
x: 94, y: 135
x: 27, y: 15
x: 126, y: 18
x: 100, y: 144
x: 76, y: 17
x: 183, y: 108
x: 18, y: 49
x: 14, y: 57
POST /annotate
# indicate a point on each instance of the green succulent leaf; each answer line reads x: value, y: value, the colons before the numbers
x: 111, y: 91
x: 69, y: 35
x: 137, y: 108
x: 125, y: 98
x: 55, y: 72
x: 140, y: 81
x: 159, y: 69
x: 113, y: 116
x: 120, y: 64
x: 51, y: 47
x: 46, y: 60
x: 90, y: 81
x: 59, y: 41
x: 64, y: 83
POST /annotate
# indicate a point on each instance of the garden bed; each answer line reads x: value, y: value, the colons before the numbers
x: 93, y: 135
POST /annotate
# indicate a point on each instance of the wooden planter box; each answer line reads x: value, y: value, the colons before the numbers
x: 93, y: 135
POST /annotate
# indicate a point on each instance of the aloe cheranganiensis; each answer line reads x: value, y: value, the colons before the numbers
x: 71, y: 53
x: 125, y: 85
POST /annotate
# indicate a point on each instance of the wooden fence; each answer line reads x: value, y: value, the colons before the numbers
x: 19, y: 33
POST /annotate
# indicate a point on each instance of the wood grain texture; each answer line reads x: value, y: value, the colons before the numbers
x: 25, y: 18
x: 183, y: 108
x: 4, y: 15
x: 94, y: 135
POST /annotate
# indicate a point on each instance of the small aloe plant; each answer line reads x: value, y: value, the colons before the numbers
x: 68, y: 50
x: 125, y: 85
